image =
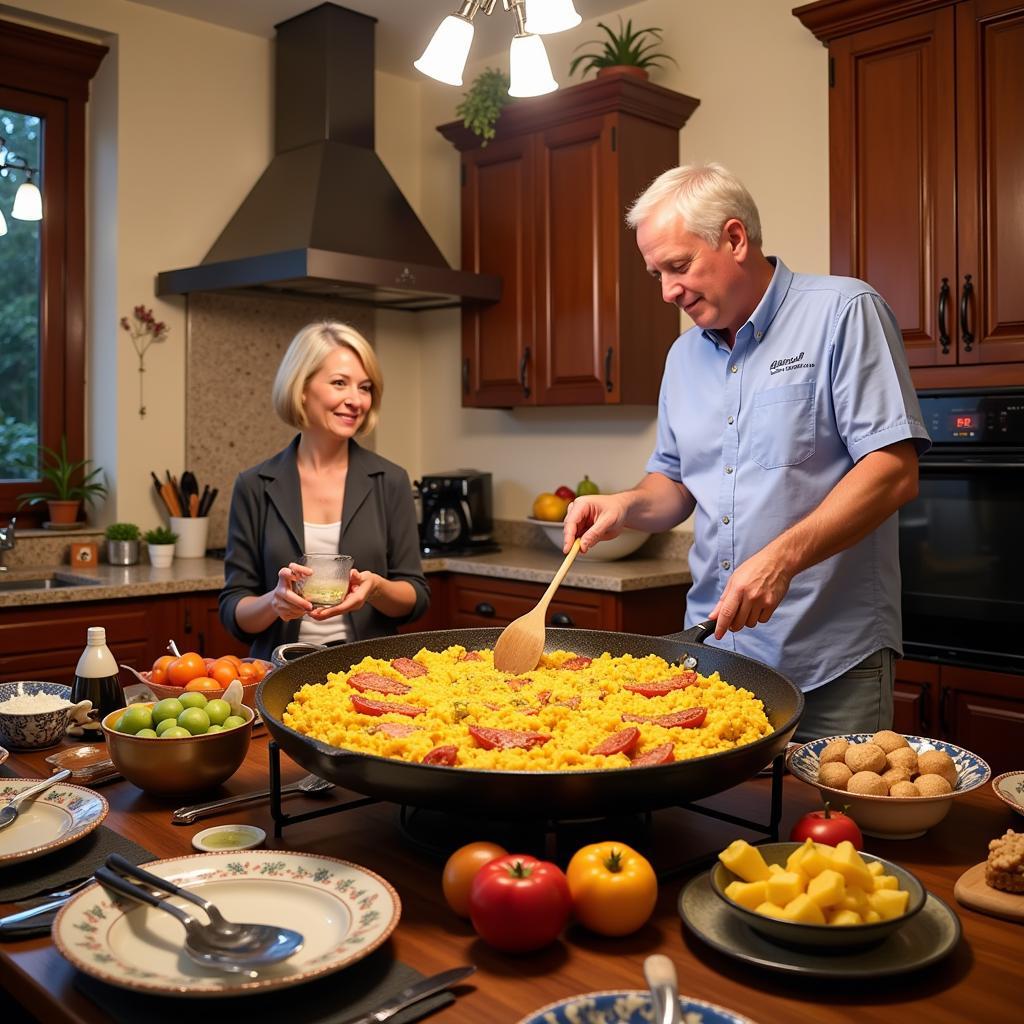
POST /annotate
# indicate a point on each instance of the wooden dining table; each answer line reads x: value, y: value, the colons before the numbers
x: 978, y: 981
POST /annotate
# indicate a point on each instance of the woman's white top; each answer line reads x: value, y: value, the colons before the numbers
x: 323, y: 539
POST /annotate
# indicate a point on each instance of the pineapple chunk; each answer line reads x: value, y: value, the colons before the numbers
x: 747, y: 894
x: 856, y: 900
x: 842, y: 917
x: 775, y: 869
x: 786, y: 886
x: 827, y: 889
x: 872, y: 916
x: 886, y: 882
x: 793, y: 860
x: 875, y: 867
x: 889, y: 903
x: 848, y: 862
x: 814, y: 862
x: 744, y: 860
x: 770, y: 910
x: 803, y: 909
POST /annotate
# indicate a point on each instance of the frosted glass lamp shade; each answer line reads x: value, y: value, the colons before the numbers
x: 3, y: 224
x: 446, y: 53
x: 28, y: 203
x: 545, y: 17
x: 529, y: 69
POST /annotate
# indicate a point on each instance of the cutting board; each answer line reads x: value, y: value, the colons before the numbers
x: 971, y: 891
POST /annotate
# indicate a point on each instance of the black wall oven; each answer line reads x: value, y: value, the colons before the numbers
x: 962, y: 538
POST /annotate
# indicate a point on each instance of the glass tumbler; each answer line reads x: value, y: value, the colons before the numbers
x: 329, y: 583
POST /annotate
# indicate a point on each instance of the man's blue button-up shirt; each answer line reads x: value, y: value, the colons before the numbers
x: 759, y: 434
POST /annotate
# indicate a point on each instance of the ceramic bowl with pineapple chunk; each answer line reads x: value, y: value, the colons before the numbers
x: 805, y: 934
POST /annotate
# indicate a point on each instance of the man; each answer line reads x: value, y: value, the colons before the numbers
x: 787, y: 420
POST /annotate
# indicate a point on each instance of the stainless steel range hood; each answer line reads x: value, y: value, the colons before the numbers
x: 326, y: 217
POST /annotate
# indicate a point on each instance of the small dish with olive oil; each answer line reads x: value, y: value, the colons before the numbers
x: 225, y: 838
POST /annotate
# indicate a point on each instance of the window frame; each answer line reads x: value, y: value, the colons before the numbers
x: 48, y: 75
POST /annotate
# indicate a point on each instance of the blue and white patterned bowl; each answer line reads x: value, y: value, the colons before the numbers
x: 36, y: 729
x: 892, y: 817
x: 627, y: 1007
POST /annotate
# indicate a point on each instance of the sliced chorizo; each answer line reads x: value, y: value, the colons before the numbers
x: 690, y: 718
x: 396, y: 730
x: 506, y: 739
x: 409, y: 668
x: 662, y: 686
x: 363, y: 681
x: 469, y: 656
x: 622, y: 742
x: 366, y: 706
x: 663, y: 754
x: 575, y: 664
x: 447, y: 755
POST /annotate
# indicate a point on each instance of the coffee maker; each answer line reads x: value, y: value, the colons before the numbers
x: 456, y: 513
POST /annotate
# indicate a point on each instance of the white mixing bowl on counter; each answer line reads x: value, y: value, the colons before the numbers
x: 606, y: 551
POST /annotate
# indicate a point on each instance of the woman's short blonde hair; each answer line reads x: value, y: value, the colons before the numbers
x: 306, y: 354
x: 705, y: 196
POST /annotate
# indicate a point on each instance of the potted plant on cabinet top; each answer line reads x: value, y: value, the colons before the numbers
x: 481, y: 106
x: 71, y: 483
x: 160, y: 545
x: 122, y: 543
x: 624, y: 52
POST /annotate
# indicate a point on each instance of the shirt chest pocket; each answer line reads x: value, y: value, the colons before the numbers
x: 782, y: 425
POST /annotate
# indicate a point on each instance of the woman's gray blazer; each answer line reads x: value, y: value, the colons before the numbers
x: 265, y: 532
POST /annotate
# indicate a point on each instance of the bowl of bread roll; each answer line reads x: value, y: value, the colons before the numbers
x: 895, y: 786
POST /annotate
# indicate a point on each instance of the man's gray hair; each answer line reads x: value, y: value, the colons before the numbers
x: 705, y: 196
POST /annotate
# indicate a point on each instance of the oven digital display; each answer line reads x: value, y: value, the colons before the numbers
x: 966, y: 420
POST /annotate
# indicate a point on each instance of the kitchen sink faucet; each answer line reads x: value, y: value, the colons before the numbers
x: 7, y: 539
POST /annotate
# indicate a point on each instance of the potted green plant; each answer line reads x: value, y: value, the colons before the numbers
x: 481, y: 106
x: 71, y: 483
x: 122, y: 543
x: 623, y: 52
x: 160, y: 546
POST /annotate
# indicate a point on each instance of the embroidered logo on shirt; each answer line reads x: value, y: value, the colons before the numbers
x: 792, y: 363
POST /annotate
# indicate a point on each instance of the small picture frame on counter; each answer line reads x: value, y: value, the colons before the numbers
x: 85, y: 553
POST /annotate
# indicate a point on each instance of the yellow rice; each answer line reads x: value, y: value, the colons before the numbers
x: 456, y: 694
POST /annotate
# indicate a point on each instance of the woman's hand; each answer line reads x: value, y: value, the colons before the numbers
x: 362, y: 586
x: 288, y: 605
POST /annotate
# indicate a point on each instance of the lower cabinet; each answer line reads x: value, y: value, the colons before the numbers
x: 980, y: 711
x: 462, y: 601
x: 45, y: 641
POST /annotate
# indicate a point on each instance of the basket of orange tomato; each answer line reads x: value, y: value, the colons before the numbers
x: 172, y: 675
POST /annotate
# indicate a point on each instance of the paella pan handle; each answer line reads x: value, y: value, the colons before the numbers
x: 695, y: 634
x: 284, y: 653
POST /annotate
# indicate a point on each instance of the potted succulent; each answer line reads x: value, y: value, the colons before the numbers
x: 623, y: 52
x: 71, y: 483
x: 160, y: 545
x: 122, y: 543
x: 481, y: 106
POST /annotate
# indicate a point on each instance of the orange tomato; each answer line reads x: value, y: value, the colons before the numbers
x: 159, y: 676
x: 247, y: 672
x: 186, y: 668
x: 461, y: 869
x: 162, y: 662
x: 233, y: 658
x: 261, y: 668
x: 223, y: 671
x: 209, y: 663
x: 203, y: 683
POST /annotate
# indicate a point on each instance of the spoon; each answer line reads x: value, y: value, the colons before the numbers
x: 222, y: 944
x: 660, y: 973
x: 521, y: 643
x: 9, y: 812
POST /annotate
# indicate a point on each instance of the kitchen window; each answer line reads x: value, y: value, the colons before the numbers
x: 44, y: 84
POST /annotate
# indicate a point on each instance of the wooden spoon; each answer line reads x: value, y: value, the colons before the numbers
x: 521, y: 643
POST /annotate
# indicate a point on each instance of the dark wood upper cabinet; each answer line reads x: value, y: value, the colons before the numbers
x: 926, y: 154
x: 543, y: 205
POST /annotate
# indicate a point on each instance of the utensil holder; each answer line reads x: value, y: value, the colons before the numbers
x: 191, y: 542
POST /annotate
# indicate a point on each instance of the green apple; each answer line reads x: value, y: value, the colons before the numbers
x: 165, y: 724
x: 233, y: 721
x: 169, y: 707
x: 196, y: 720
x: 135, y: 718
x: 218, y: 710
x: 193, y: 699
x: 175, y: 733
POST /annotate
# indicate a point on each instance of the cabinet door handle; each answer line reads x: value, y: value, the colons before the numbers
x: 465, y: 376
x: 485, y: 609
x: 608, y: 368
x: 523, y: 363
x: 966, y: 335
x: 561, y: 619
x: 944, y: 316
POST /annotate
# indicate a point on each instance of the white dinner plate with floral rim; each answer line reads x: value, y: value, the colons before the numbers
x: 61, y: 815
x: 343, y: 911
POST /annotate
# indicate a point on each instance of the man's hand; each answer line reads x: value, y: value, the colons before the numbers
x: 752, y: 594
x: 593, y: 518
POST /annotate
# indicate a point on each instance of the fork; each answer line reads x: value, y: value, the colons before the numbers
x: 187, y: 815
x: 49, y: 895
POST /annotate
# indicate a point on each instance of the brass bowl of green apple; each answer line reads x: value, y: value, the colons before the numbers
x: 178, y: 745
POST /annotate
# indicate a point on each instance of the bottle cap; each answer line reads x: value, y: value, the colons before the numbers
x: 96, y: 636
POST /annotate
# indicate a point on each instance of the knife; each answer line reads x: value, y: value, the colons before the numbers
x: 414, y: 993
x: 24, y: 915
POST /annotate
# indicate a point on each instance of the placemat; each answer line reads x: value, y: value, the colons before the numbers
x: 352, y: 992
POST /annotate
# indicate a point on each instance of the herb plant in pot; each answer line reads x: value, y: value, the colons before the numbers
x: 160, y: 545
x: 624, y: 52
x: 122, y: 543
x: 481, y: 106
x: 71, y: 482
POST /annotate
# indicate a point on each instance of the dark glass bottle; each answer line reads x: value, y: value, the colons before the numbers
x: 96, y: 680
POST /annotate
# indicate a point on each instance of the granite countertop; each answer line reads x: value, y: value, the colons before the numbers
x: 187, y: 575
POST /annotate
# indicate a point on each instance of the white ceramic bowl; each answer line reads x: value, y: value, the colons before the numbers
x: 607, y: 551
x: 892, y: 817
x: 34, y: 730
x: 1009, y: 787
x: 224, y: 838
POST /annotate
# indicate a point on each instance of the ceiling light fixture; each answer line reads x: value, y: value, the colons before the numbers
x: 529, y: 70
x: 28, y: 203
x: 546, y: 17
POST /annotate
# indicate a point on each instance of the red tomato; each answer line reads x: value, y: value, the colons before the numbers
x: 518, y: 903
x: 828, y: 827
x: 566, y: 492
x: 461, y: 869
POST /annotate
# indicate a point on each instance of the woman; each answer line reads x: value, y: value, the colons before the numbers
x: 323, y: 493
